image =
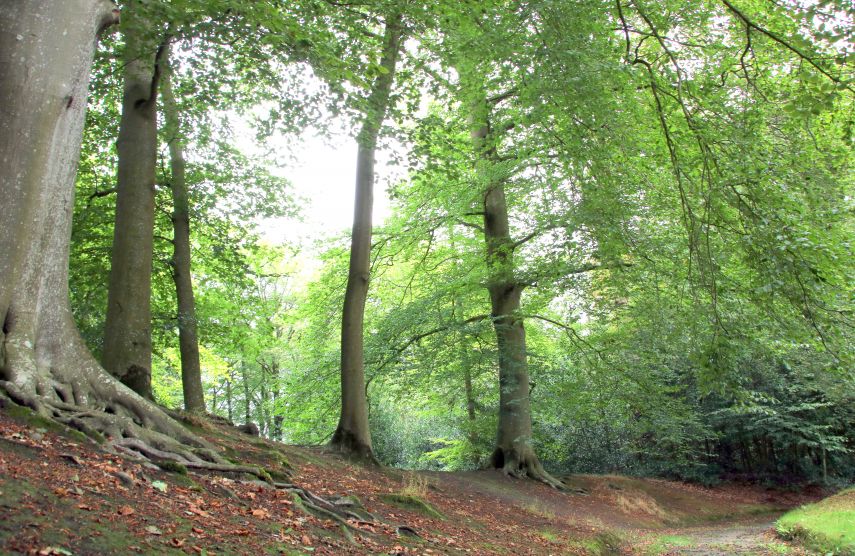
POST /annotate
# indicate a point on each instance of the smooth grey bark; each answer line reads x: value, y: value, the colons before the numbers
x: 188, y: 337
x: 48, y: 49
x: 127, y: 328
x: 514, y: 453
x: 352, y: 436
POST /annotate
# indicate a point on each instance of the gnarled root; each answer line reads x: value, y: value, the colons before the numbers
x: 521, y: 464
x: 326, y: 509
x: 351, y: 446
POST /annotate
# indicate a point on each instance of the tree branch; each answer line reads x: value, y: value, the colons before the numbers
x: 502, y: 96
x: 774, y: 36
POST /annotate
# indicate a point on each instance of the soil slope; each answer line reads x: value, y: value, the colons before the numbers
x: 61, y: 493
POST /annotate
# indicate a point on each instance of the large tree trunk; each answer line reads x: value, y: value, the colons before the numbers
x: 127, y: 329
x: 44, y: 76
x: 514, y: 453
x: 188, y: 339
x: 352, y: 436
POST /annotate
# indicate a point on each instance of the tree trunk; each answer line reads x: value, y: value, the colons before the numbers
x: 44, y: 76
x: 276, y: 393
x: 188, y: 339
x: 470, y: 397
x: 127, y: 329
x: 352, y: 436
x: 229, y: 401
x: 247, y: 414
x: 514, y: 453
x: 264, y: 422
x: 277, y: 427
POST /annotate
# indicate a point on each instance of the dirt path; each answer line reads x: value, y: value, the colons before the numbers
x: 754, y: 537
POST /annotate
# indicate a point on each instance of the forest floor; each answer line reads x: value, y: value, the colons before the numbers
x: 61, y: 494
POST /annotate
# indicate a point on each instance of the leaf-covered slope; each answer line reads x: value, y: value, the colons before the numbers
x: 61, y: 493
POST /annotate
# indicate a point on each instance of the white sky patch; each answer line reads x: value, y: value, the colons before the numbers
x: 323, y: 176
x: 322, y: 172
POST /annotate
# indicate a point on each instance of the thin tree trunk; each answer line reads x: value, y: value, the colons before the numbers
x: 188, y: 339
x: 470, y: 398
x: 263, y: 408
x: 229, y: 401
x: 276, y: 394
x: 352, y: 436
x: 247, y: 417
x: 127, y: 329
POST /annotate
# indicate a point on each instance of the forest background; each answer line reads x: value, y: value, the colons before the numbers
x: 678, y: 194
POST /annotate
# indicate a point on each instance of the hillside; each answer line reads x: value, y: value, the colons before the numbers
x: 61, y: 493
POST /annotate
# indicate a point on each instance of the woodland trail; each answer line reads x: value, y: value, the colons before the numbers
x: 754, y: 537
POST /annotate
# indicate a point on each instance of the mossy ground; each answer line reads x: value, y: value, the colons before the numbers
x: 410, y: 502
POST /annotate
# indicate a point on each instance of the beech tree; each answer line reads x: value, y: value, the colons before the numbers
x: 127, y: 329
x: 352, y: 435
x: 45, y: 364
x: 188, y: 336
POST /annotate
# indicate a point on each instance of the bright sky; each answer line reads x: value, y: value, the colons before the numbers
x: 323, y: 176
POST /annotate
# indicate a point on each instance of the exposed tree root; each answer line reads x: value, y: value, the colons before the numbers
x: 325, y: 509
x: 523, y: 464
x: 120, y: 417
x: 352, y: 447
x: 187, y: 459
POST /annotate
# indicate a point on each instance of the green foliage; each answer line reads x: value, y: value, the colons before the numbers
x: 679, y: 179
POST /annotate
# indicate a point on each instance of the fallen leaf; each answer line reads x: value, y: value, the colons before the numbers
x: 126, y: 510
x: 152, y: 530
x: 260, y: 512
x: 84, y: 507
x: 198, y: 511
x: 72, y: 458
x: 177, y: 543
